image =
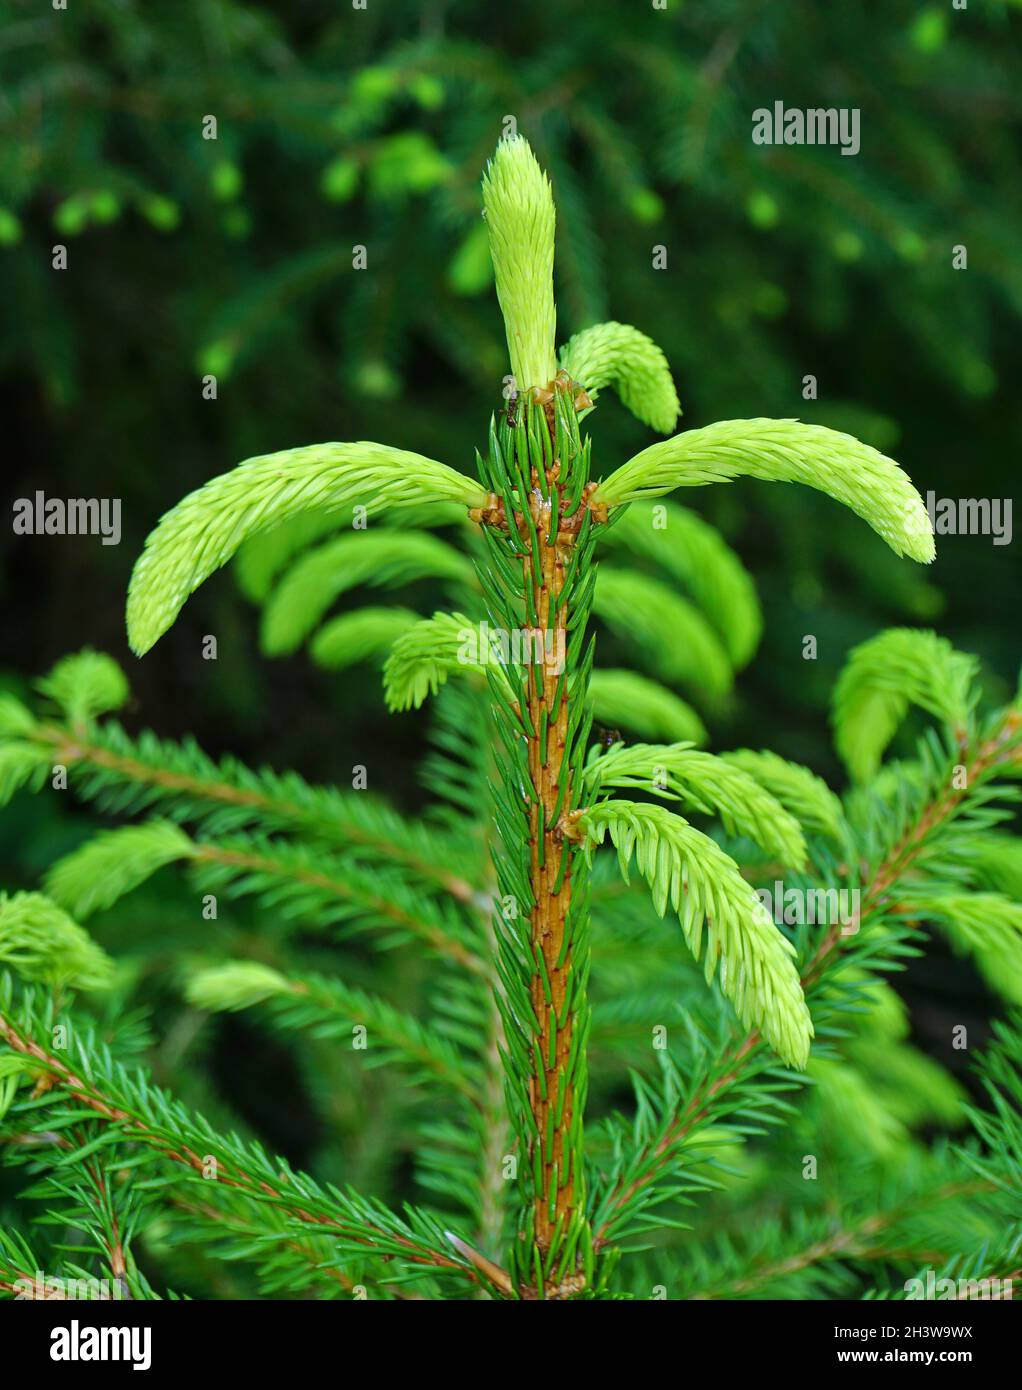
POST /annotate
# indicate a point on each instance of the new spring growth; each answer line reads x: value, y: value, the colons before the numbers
x: 518, y: 206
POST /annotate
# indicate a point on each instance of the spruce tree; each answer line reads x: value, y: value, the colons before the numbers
x: 545, y: 954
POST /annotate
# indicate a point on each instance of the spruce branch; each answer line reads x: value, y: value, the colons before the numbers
x: 263, y: 559
x: 366, y: 633
x: 422, y: 658
x: 41, y: 942
x: 327, y: 1007
x: 705, y: 783
x: 886, y: 674
x: 687, y: 549
x: 202, y: 532
x: 18, y: 1266
x: 143, y: 1115
x: 325, y: 890
x: 724, y: 1086
x: 987, y: 926
x: 805, y: 795
x: 884, y: 1236
x: 130, y: 775
x: 306, y: 883
x: 1000, y: 1128
x: 783, y: 451
x: 615, y: 354
x: 671, y: 633
x: 85, y: 685
x: 623, y: 699
x: 287, y: 1264
x: 705, y: 889
x: 113, y: 863
x: 380, y: 557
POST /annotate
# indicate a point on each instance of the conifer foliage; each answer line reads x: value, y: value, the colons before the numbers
x: 551, y: 962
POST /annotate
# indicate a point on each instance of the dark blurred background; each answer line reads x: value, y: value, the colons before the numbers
x: 340, y: 127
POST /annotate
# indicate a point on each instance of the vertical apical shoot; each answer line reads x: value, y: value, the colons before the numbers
x: 539, y: 582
